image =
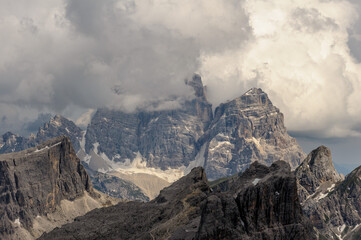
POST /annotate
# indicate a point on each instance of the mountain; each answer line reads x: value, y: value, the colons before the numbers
x: 60, y: 126
x: 154, y: 147
x: 42, y: 188
x: 261, y: 204
x: 117, y: 187
x: 316, y: 173
x: 245, y: 130
x: 330, y: 201
x: 164, y: 145
x: 164, y: 139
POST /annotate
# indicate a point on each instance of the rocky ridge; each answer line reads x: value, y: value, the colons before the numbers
x: 43, y: 187
x: 60, y: 126
x: 247, y: 129
x: 262, y: 203
x: 331, y: 202
x: 164, y: 145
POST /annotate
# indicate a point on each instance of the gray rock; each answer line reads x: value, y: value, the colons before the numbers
x: 331, y: 203
x: 166, y: 139
x: 245, y: 130
x: 188, y: 209
x: 116, y: 187
x: 34, y: 181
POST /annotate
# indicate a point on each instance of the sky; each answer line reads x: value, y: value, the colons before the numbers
x: 73, y: 56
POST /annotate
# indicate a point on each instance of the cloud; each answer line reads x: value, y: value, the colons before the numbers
x: 70, y: 56
x: 301, y: 58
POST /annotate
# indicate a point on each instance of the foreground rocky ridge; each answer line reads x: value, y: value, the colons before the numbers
x: 43, y: 187
x: 262, y: 203
x: 331, y: 202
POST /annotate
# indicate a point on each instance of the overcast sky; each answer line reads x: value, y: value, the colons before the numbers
x: 69, y: 56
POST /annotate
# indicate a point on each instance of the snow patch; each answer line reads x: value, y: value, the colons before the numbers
x: 140, y: 166
x: 95, y: 147
x: 67, y: 130
x: 17, y: 222
x: 82, y: 141
x: 255, y: 182
x: 198, y: 161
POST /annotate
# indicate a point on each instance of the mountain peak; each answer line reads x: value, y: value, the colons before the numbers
x: 317, y: 169
x: 255, y: 96
x: 254, y: 91
x: 197, y: 84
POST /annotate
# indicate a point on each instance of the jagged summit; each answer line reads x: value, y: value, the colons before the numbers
x: 247, y: 129
x: 317, y: 169
x: 188, y: 209
x: 255, y: 96
x: 58, y: 126
x: 331, y: 202
x: 197, y: 84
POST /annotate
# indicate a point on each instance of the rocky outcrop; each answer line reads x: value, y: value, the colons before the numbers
x: 245, y: 130
x: 10, y: 142
x: 259, y: 204
x: 56, y: 127
x: 315, y: 171
x: 117, y: 187
x: 35, y: 183
x: 60, y: 126
x: 331, y: 202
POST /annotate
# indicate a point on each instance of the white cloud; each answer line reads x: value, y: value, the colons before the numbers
x: 62, y: 56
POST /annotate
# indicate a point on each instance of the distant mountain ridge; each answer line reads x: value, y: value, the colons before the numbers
x: 166, y: 144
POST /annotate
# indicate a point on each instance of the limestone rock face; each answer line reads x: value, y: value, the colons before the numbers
x: 245, y: 130
x: 34, y: 182
x: 166, y: 144
x: 317, y: 169
x: 60, y: 126
x: 164, y: 138
x: 56, y: 127
x: 331, y: 202
x: 10, y: 142
x: 259, y: 204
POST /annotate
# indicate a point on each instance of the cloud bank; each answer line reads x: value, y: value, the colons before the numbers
x: 69, y: 56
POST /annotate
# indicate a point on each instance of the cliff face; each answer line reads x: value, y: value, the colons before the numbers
x: 164, y: 138
x: 331, y: 202
x: 246, y: 130
x: 259, y: 204
x: 33, y: 184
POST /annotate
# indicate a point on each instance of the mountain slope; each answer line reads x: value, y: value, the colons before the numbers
x: 188, y: 209
x: 171, y: 142
x: 244, y: 130
x: 331, y: 202
x: 46, y: 185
